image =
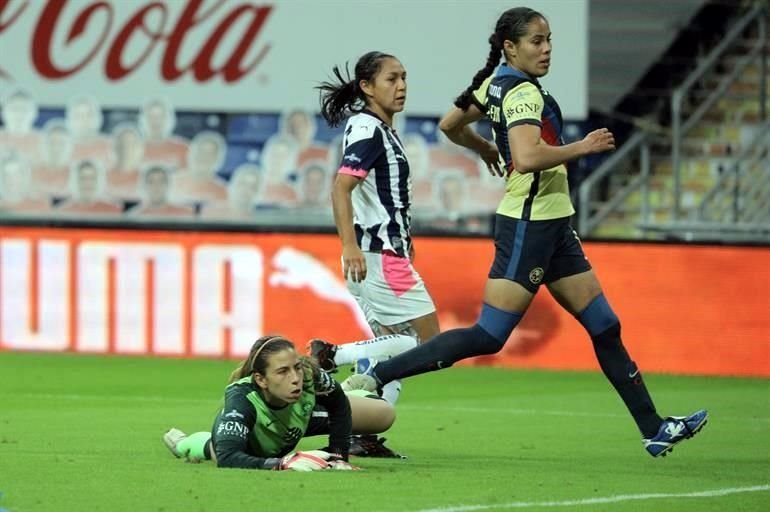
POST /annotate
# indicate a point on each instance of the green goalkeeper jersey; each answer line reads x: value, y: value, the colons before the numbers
x: 249, y: 433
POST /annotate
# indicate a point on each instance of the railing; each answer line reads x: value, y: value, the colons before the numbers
x: 753, y: 202
x: 590, y: 215
x: 737, y: 207
x: 587, y: 218
x: 680, y: 126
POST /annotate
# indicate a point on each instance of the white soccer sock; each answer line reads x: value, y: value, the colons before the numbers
x: 391, y: 391
x: 381, y: 348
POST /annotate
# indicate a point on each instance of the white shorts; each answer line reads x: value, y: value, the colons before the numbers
x: 393, y: 292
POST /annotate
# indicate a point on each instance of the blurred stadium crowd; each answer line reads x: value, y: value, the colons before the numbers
x: 87, y: 161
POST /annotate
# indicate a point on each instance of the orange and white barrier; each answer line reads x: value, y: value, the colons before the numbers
x: 684, y: 309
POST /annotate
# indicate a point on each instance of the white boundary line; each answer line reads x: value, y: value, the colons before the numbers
x: 603, y: 500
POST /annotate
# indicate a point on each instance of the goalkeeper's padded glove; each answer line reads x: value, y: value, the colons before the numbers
x: 342, y: 465
x: 311, y: 460
x: 314, y: 460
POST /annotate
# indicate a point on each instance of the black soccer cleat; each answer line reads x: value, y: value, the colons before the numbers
x: 322, y: 352
x: 372, y: 446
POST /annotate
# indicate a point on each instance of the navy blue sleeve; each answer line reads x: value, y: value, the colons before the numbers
x: 363, y: 146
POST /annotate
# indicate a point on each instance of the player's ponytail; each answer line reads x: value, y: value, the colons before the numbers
x: 343, y: 95
x: 511, y: 26
x: 340, y: 98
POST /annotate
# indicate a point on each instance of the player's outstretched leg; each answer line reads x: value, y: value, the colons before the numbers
x: 381, y: 348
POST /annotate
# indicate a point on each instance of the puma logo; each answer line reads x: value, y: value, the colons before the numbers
x: 295, y: 269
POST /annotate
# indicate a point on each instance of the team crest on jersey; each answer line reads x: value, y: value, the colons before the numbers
x: 293, y: 435
x: 536, y: 275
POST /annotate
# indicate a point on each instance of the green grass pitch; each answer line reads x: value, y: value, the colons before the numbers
x: 82, y: 433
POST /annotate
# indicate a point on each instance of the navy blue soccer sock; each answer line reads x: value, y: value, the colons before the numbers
x: 485, y: 337
x: 604, y: 328
x: 439, y: 352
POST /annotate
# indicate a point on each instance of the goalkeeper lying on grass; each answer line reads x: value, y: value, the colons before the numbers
x: 274, y: 398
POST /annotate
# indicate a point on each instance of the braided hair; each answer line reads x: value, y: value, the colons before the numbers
x: 511, y: 26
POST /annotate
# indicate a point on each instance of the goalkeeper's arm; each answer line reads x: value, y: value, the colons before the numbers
x: 232, y: 455
x: 230, y: 438
x: 334, y: 400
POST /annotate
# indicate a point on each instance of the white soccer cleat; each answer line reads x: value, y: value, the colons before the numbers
x: 171, y: 439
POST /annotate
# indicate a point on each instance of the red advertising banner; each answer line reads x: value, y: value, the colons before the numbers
x: 684, y: 309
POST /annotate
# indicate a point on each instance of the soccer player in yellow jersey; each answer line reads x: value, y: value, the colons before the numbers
x: 534, y: 242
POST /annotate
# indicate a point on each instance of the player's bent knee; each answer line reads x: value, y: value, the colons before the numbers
x: 485, y: 343
x: 371, y: 414
x: 494, y: 327
x: 609, y: 336
x: 387, y: 417
x: 598, y: 317
x: 381, y: 414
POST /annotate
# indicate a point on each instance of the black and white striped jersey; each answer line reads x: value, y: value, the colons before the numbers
x: 381, y: 203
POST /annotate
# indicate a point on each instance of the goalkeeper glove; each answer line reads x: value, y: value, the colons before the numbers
x: 342, y: 465
x: 311, y: 460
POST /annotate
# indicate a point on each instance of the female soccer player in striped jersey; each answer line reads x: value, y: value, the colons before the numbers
x: 534, y: 242
x: 372, y: 197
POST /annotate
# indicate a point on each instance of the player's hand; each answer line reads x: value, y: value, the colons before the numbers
x: 598, y: 141
x: 311, y: 460
x: 353, y: 263
x: 411, y: 253
x: 491, y: 157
